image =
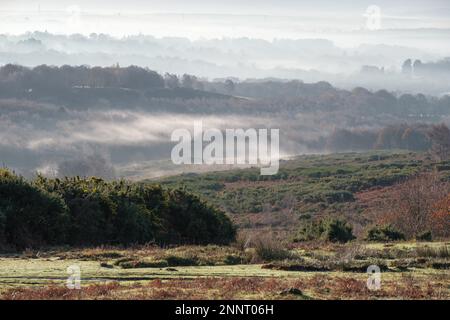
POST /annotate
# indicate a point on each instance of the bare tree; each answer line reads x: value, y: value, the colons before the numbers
x: 441, y: 216
x: 411, y: 205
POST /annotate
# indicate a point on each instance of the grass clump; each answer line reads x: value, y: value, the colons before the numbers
x: 267, y: 249
x: 409, y: 263
x: 433, y: 252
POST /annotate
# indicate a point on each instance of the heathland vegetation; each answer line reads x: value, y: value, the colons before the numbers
x: 391, y: 192
x: 309, y: 232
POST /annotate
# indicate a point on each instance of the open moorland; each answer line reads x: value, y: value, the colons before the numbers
x: 310, y: 232
x: 409, y: 271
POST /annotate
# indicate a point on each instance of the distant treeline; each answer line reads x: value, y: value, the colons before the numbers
x: 419, y: 68
x: 44, y: 78
x: 84, y: 212
x: 76, y: 86
x: 15, y: 77
x: 417, y: 137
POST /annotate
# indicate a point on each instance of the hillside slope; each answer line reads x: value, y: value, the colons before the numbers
x: 307, y: 187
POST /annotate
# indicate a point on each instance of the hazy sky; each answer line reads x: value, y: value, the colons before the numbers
x: 343, y: 14
x: 270, y: 18
x: 268, y: 7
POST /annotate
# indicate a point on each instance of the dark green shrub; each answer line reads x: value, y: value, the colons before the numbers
x: 384, y: 233
x: 336, y: 230
x: 29, y: 215
x: 310, y: 230
x: 333, y: 230
x: 425, y: 236
x: 191, y: 220
x: 140, y: 210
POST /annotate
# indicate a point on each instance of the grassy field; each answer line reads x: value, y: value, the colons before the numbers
x: 410, y: 270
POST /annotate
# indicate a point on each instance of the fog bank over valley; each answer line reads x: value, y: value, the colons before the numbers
x: 374, y: 66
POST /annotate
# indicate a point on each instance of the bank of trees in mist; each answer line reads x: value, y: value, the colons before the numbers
x: 414, y: 137
x: 16, y: 78
x: 417, y: 137
x: 47, y: 79
x: 136, y: 86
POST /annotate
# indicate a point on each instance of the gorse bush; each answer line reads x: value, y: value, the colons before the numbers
x: 189, y: 220
x: 338, y: 231
x: 425, y: 236
x: 310, y: 230
x: 116, y: 212
x: 30, y: 215
x: 333, y: 230
x: 91, y: 211
x: 384, y: 233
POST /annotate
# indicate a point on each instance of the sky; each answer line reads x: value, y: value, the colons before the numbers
x: 267, y: 7
x: 267, y: 19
